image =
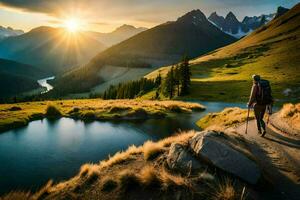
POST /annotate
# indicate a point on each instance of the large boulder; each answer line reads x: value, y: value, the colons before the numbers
x: 215, y: 149
x: 180, y: 159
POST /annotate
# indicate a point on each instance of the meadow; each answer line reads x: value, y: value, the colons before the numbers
x: 20, y: 114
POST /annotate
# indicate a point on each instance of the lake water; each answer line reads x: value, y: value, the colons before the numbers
x: 43, y: 83
x: 45, y: 149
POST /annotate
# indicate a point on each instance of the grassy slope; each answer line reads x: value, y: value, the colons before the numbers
x: 272, y: 51
x: 17, y: 78
x: 16, y: 115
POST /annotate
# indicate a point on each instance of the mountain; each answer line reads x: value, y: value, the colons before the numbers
x: 191, y: 34
x: 230, y: 24
x: 120, y: 34
x: 52, y: 49
x: 272, y: 51
x: 9, y: 32
x: 257, y: 21
x: 281, y: 11
x: 16, y: 78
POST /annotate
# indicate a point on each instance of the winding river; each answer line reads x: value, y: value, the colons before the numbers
x: 46, y: 149
x: 43, y: 83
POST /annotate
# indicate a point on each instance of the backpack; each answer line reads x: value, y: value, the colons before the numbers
x: 265, y: 95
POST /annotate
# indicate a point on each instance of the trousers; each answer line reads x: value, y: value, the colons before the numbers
x: 259, y: 112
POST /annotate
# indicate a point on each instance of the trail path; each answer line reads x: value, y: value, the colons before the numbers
x: 279, y: 157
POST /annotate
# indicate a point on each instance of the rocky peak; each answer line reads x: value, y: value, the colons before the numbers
x: 231, y: 17
x: 195, y: 16
x: 281, y: 11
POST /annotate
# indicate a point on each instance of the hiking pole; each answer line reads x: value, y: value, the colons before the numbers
x: 247, y: 120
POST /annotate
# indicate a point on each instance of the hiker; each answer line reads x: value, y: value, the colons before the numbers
x: 260, y: 99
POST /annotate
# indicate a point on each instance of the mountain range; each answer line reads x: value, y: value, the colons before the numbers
x: 118, y: 35
x: 232, y: 26
x: 9, y: 32
x: 191, y: 34
x: 53, y: 50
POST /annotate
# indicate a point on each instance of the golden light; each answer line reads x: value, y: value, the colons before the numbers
x: 72, y: 25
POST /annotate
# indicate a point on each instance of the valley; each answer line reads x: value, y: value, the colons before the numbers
x: 92, y: 107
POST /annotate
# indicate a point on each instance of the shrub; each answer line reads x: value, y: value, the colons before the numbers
x: 53, y: 112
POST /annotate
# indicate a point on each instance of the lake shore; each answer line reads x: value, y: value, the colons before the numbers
x: 20, y: 114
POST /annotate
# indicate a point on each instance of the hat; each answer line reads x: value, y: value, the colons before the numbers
x: 256, y: 77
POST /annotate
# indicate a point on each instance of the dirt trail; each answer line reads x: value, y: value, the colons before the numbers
x: 279, y: 157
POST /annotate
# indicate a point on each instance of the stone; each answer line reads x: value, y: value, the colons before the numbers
x: 179, y: 158
x: 213, y: 148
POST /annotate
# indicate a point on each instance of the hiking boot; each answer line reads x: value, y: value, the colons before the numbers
x: 264, y: 133
x: 259, y: 132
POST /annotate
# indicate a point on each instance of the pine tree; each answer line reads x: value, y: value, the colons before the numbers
x: 185, y: 76
x: 158, y: 80
x: 169, y: 83
x: 177, y: 78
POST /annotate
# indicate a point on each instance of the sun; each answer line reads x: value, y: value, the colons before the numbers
x: 72, y: 25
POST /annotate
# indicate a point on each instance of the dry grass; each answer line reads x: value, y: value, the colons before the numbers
x: 229, y: 117
x: 120, y: 157
x: 44, y: 191
x: 169, y: 180
x: 17, y: 195
x: 152, y: 149
x: 109, y: 185
x: 128, y: 179
x: 225, y: 190
x: 287, y: 120
x: 291, y: 114
x: 149, y: 176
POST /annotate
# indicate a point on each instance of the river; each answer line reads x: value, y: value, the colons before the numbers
x: 43, y: 83
x: 45, y: 149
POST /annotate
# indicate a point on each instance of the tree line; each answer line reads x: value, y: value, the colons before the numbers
x: 176, y: 83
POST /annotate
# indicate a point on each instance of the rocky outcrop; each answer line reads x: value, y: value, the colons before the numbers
x: 216, y: 150
x: 181, y: 159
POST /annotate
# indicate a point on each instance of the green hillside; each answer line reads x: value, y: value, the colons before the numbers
x: 271, y: 51
x: 191, y: 34
x: 16, y: 78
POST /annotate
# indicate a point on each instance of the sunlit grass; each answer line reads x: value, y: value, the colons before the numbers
x: 20, y: 114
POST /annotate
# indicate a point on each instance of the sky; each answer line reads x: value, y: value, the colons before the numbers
x: 106, y: 15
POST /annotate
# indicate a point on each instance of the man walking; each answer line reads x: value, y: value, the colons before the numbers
x: 260, y: 98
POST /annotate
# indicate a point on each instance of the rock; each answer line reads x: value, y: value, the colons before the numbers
x: 213, y: 147
x: 179, y: 158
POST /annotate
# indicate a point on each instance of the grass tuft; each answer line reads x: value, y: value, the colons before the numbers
x: 44, y: 191
x: 152, y: 149
x: 149, y: 176
x: 53, y: 112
